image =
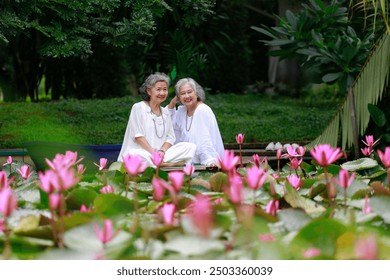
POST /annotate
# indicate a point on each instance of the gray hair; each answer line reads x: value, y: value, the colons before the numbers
x: 194, y: 85
x: 149, y: 83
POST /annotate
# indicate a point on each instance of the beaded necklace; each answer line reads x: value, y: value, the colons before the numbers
x: 154, y: 122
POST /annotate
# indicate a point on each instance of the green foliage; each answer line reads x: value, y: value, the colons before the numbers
x: 304, y: 222
x: 380, y: 125
x: 323, y: 39
x: 104, y: 121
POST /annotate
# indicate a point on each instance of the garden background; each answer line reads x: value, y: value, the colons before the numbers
x: 308, y: 72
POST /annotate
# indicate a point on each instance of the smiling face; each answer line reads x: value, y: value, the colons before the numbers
x: 187, y: 96
x: 159, y: 92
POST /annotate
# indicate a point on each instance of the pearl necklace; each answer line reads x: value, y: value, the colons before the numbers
x: 189, y: 128
x: 154, y: 122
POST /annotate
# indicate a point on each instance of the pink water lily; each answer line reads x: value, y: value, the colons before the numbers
x: 81, y: 169
x: 325, y: 155
x: 367, y: 151
x: 366, y: 207
x: 272, y: 207
x: 157, y: 158
x: 240, y: 138
x: 64, y: 161
x: 189, y: 169
x: 54, y: 201
x: 235, y: 188
x: 385, y: 157
x: 311, y: 253
x: 228, y: 161
x: 9, y: 160
x: 255, y: 177
x: 105, y: 234
x: 370, y: 141
x: 8, y: 202
x: 295, y: 181
x: 84, y: 209
x: 4, y: 182
x: 267, y: 237
x: 25, y: 171
x: 344, y: 180
x: 295, y: 163
x: 103, y: 163
x: 168, y: 213
x: 107, y: 189
x: 201, y: 214
x: 159, y: 188
x: 133, y: 164
x: 177, y: 180
x: 366, y: 248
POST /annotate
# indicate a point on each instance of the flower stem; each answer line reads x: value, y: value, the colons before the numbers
x: 240, y: 156
x: 7, y: 242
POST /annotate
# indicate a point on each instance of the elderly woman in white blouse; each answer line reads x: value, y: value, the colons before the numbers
x: 150, y: 128
x: 195, y: 122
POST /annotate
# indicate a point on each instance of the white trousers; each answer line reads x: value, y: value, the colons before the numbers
x: 180, y: 152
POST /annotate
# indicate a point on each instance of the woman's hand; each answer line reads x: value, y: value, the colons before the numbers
x: 173, y: 102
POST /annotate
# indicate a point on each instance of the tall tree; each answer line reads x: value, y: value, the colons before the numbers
x: 49, y: 35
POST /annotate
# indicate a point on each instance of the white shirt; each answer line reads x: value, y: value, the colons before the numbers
x: 201, y: 129
x: 143, y: 122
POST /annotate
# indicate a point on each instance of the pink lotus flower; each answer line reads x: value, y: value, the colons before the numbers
x: 157, y: 158
x: 189, y: 169
x: 370, y: 141
x: 367, y: 151
x: 311, y: 253
x: 256, y: 160
x: 66, y: 179
x: 4, y: 182
x: 229, y: 161
x: 168, y: 213
x: 106, y: 234
x: 81, y: 169
x: 295, y: 163
x: 103, y: 163
x: 48, y: 181
x: 278, y: 154
x: 64, y: 161
x: 159, y: 188
x: 25, y: 172
x: 235, y: 188
x: 325, y: 155
x: 177, y: 180
x: 291, y: 151
x: 201, y: 214
x: 240, y: 138
x: 345, y: 180
x: 107, y: 189
x: 255, y: 177
x: 267, y: 237
x: 366, y: 248
x: 366, y: 208
x: 54, y: 201
x: 385, y: 157
x: 272, y: 207
x: 9, y: 160
x: 301, y: 151
x: 295, y: 181
x: 133, y: 164
x: 8, y: 202
x: 84, y: 209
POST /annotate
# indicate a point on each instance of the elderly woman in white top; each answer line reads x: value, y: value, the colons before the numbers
x: 150, y: 128
x: 195, y: 122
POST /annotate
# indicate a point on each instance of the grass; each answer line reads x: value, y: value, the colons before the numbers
x: 261, y: 119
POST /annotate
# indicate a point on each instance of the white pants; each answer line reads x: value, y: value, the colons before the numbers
x: 183, y: 151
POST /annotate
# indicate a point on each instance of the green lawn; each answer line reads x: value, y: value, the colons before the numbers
x: 262, y: 119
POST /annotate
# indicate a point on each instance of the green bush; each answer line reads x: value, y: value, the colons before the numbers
x: 261, y: 119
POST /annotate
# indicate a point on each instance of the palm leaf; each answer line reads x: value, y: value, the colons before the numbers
x: 368, y: 87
